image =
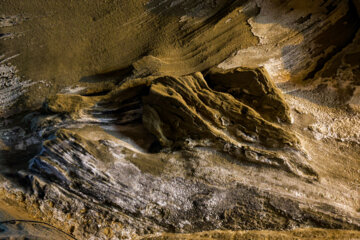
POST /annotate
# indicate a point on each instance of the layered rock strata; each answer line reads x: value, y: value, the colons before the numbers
x: 179, y: 119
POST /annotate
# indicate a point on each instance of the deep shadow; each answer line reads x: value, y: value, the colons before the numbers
x: 114, y: 76
x: 339, y: 35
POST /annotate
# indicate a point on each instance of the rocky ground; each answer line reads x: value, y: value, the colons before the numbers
x: 180, y: 119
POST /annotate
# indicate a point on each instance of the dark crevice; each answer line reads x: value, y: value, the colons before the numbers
x: 303, y: 19
x: 351, y: 19
x: 96, y: 94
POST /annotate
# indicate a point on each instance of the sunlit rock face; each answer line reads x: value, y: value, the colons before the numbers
x: 163, y: 119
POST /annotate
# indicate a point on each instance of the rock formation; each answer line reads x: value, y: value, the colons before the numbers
x: 149, y: 119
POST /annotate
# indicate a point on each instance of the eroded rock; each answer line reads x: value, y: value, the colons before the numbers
x: 177, y: 109
x: 134, y: 142
x: 254, y: 88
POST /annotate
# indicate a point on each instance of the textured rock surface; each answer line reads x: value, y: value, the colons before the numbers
x: 180, y: 119
x: 185, y: 110
x: 255, y: 88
